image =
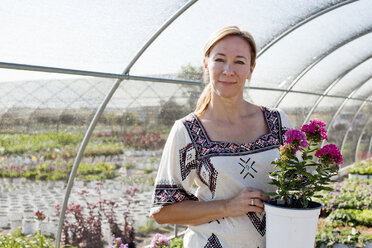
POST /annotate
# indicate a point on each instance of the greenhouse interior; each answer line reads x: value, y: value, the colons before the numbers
x: 91, y: 89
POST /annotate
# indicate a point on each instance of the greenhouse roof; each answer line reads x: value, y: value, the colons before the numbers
x: 314, y: 56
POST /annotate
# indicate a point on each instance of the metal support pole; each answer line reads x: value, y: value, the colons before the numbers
x: 360, y: 138
x: 357, y: 146
x: 351, y: 125
x: 369, y: 147
x: 97, y: 116
x: 175, y: 231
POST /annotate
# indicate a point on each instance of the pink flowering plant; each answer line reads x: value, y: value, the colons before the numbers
x: 304, y: 167
x: 159, y: 241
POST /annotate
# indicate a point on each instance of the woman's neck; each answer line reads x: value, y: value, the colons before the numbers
x: 230, y: 110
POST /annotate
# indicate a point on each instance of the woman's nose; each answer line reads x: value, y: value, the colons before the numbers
x: 228, y: 69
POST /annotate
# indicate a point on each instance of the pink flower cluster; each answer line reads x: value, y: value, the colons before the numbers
x: 40, y: 215
x: 315, y: 129
x: 159, y: 240
x: 296, y: 137
x: 330, y: 154
x: 117, y: 243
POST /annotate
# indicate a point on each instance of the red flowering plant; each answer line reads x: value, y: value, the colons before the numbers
x: 39, y: 215
x: 304, y: 168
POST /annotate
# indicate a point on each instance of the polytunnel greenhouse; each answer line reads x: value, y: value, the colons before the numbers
x: 89, y: 91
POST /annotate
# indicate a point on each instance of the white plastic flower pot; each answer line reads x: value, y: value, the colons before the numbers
x: 368, y: 245
x: 343, y: 246
x: 362, y: 176
x: 291, y: 227
x: 43, y: 227
x: 4, y: 220
x: 14, y: 224
x: 352, y: 176
x: 29, y: 226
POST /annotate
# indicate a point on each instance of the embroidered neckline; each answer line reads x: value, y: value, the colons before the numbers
x: 264, y: 111
x: 206, y: 147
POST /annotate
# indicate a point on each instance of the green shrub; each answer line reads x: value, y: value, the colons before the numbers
x: 362, y: 168
x: 60, y: 171
x: 343, y: 217
x: 331, y: 236
x: 365, y: 218
x: 350, y: 194
x: 176, y: 243
x: 17, y: 240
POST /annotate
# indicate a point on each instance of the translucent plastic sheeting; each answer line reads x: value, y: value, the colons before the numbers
x: 326, y: 108
x: 363, y: 152
x: 297, y: 51
x: 356, y: 78
x: 57, y: 98
x: 345, y: 116
x: 263, y: 97
x: 365, y: 90
x: 182, y: 43
x: 31, y: 103
x: 87, y: 35
x: 347, y: 58
x: 300, y: 104
x: 137, y: 94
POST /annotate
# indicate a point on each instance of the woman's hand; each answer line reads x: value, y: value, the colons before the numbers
x: 247, y: 200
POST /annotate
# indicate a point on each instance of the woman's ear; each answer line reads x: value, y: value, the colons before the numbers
x: 252, y: 67
x: 251, y: 71
x: 205, y: 62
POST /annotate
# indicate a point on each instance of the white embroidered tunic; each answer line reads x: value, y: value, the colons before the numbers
x: 220, y: 170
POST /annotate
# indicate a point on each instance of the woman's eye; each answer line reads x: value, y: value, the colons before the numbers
x: 240, y: 62
x: 218, y: 60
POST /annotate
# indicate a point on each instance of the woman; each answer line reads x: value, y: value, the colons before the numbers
x: 225, y: 148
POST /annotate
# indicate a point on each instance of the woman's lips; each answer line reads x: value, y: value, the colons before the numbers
x: 226, y: 83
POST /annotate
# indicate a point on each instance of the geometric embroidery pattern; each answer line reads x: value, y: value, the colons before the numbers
x: 208, y: 174
x: 284, y: 130
x: 166, y: 194
x: 213, y: 242
x: 259, y: 224
x: 187, y: 160
x: 247, y: 168
x: 206, y: 147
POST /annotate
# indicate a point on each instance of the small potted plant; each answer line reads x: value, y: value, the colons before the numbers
x: 366, y: 241
x: 159, y: 241
x: 302, y: 170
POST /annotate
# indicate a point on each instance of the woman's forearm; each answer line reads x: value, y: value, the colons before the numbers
x: 191, y: 212
x: 198, y: 212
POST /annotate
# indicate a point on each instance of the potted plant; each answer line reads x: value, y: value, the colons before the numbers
x: 302, y: 170
x: 361, y: 170
x: 42, y: 225
x: 366, y: 241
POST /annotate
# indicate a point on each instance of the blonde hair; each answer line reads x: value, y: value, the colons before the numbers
x: 206, y: 95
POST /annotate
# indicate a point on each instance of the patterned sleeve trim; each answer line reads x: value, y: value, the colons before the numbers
x: 213, y: 242
x: 166, y: 194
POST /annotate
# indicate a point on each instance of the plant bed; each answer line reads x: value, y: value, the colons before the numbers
x: 17, y: 240
x: 361, y: 170
x: 347, y: 215
x: 59, y: 171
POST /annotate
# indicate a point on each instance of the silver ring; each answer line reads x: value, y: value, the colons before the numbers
x: 252, y: 202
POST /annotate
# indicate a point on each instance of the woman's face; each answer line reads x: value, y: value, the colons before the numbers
x: 229, y: 65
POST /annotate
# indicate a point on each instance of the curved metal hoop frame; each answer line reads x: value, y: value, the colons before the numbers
x: 351, y: 124
x: 331, y: 85
x: 301, y: 23
x: 323, y: 56
x: 99, y: 113
x: 360, y: 139
x: 125, y: 76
